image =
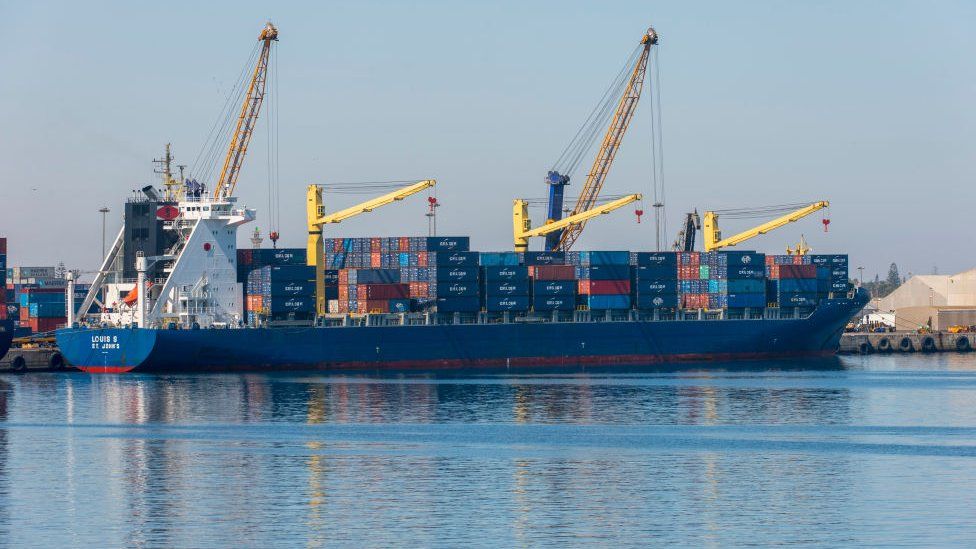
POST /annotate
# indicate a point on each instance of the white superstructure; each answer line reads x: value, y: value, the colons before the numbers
x: 199, y: 283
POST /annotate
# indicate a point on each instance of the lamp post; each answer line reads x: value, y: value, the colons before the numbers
x: 104, y: 210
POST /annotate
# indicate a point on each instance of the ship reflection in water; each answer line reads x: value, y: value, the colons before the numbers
x: 873, y: 450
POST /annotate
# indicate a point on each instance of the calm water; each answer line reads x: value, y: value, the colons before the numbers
x: 876, y: 450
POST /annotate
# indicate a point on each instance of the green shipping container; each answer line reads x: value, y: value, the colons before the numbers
x: 703, y: 272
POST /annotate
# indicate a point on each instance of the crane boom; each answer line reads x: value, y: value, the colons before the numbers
x: 611, y: 143
x: 317, y: 218
x: 713, y: 235
x: 250, y: 110
x: 522, y: 225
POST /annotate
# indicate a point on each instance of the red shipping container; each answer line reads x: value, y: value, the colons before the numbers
x: 254, y: 302
x: 24, y: 314
x: 553, y: 272
x: 3, y: 246
x: 38, y: 325
x: 3, y: 312
x: 404, y: 243
x: 421, y: 259
x: 376, y: 260
x: 374, y: 306
x: 382, y: 291
x: 792, y: 271
x: 419, y: 289
x: 694, y: 301
x: 686, y: 272
x: 604, y: 287
x: 245, y: 257
x: 690, y: 259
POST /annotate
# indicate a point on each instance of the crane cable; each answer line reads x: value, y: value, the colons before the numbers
x: 657, y: 149
x: 205, y: 163
x: 274, y: 194
x: 760, y: 211
x: 587, y: 134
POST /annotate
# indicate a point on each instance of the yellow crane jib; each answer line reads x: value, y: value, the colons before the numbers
x: 597, y: 175
x: 317, y: 219
x: 522, y: 225
x: 712, y: 235
x: 247, y: 118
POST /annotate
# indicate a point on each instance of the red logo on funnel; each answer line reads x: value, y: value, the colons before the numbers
x: 167, y: 213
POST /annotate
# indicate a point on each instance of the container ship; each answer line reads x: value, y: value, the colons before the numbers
x: 175, y: 293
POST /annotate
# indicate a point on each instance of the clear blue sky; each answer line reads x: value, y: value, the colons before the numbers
x: 867, y: 104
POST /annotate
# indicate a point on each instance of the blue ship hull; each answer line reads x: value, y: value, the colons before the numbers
x: 6, y: 336
x: 564, y: 344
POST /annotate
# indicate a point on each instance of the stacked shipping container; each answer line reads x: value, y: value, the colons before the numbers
x: 441, y: 274
x: 604, y: 279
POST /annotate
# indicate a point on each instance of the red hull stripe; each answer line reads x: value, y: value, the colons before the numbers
x: 106, y: 369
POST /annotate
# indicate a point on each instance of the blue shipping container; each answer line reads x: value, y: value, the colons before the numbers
x: 655, y: 287
x: 543, y: 258
x: 657, y: 301
x: 448, y: 243
x: 604, y: 257
x: 47, y: 310
x: 292, y: 272
x: 554, y: 287
x: 542, y: 303
x: 457, y: 274
x: 746, y: 286
x: 457, y: 304
x: 506, y: 287
x: 457, y: 289
x: 291, y: 304
x: 460, y: 259
x: 399, y: 305
x: 499, y: 259
x: 612, y: 301
x: 797, y: 299
x: 742, y: 259
x: 656, y: 272
x: 506, y: 303
x: 742, y: 300
x: 508, y: 272
x: 735, y: 272
x: 603, y: 272
x: 374, y: 276
x: 795, y: 285
x: 663, y: 260
x: 292, y: 287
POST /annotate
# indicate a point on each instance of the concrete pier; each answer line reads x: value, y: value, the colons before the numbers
x: 907, y: 342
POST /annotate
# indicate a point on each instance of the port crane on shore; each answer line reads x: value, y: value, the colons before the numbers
x: 317, y: 219
x: 557, y: 179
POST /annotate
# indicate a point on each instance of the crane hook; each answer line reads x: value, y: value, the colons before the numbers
x: 826, y: 223
x: 638, y: 212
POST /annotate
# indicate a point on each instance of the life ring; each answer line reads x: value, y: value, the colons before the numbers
x: 963, y: 345
x: 18, y: 364
x: 56, y: 361
x: 906, y: 345
x: 928, y: 345
x: 884, y: 345
x: 865, y: 348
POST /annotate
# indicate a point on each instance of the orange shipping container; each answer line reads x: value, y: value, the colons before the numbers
x: 421, y: 259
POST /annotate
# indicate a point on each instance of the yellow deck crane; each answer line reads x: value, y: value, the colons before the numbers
x: 247, y: 118
x: 522, y: 225
x: 588, y: 197
x: 712, y: 235
x: 317, y: 219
